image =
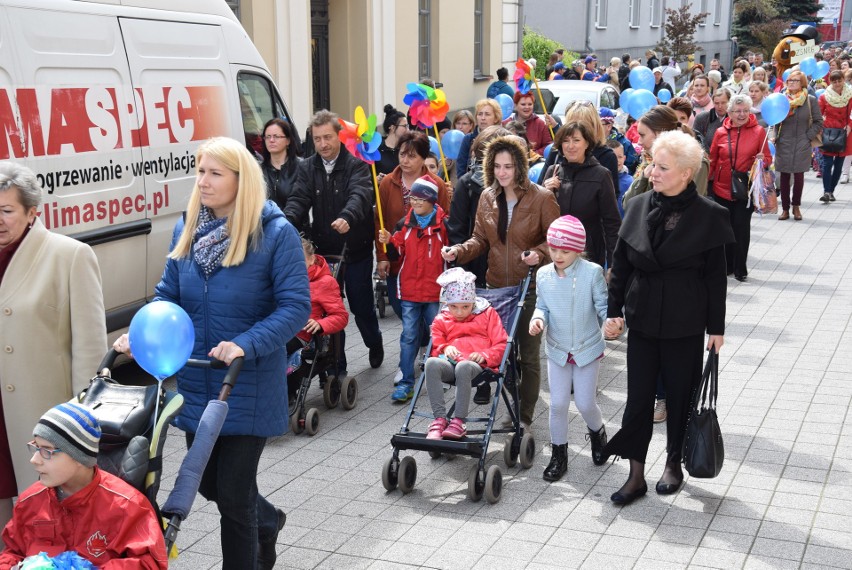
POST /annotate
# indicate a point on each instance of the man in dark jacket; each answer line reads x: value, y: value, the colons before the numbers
x: 336, y: 187
x: 706, y: 123
x: 659, y: 83
x: 624, y: 72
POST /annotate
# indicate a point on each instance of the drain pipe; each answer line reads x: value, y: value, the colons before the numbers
x: 589, y: 24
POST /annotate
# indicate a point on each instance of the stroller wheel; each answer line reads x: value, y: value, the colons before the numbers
x: 312, y: 421
x: 331, y: 392
x: 297, y: 426
x: 475, y: 484
x: 390, y: 474
x: 527, y: 451
x: 380, y: 302
x: 510, y: 451
x: 407, y: 474
x: 493, y: 484
x: 349, y: 393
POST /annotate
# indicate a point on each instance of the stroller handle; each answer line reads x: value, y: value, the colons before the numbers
x: 108, y: 360
x: 230, y: 377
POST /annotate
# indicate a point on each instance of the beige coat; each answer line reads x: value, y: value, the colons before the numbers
x: 52, y: 333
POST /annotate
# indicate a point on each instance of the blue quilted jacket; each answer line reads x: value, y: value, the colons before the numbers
x: 259, y: 305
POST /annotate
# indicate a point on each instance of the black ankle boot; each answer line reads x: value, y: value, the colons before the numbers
x: 558, y: 463
x: 598, y: 439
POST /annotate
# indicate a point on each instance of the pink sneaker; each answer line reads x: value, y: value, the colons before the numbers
x: 436, y: 428
x: 456, y: 430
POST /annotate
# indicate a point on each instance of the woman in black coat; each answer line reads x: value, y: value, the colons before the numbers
x: 668, y: 275
x: 584, y: 190
x: 280, y: 159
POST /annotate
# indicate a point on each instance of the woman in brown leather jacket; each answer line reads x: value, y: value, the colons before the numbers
x: 511, y: 226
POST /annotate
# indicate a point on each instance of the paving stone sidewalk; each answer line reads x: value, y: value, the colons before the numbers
x: 783, y: 499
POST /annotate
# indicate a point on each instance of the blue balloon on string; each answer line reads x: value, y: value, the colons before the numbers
x: 808, y: 66
x: 785, y: 75
x: 506, y: 105
x: 535, y: 172
x: 775, y: 108
x: 641, y: 78
x: 772, y: 148
x: 161, y: 338
x: 451, y: 142
x: 822, y: 68
x: 624, y: 99
x: 547, y: 150
x: 664, y: 95
x: 433, y: 146
x: 641, y: 102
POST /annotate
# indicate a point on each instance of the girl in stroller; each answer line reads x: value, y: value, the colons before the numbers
x: 467, y: 336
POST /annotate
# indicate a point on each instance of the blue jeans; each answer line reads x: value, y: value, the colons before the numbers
x: 230, y: 480
x: 358, y: 280
x: 832, y: 167
x: 414, y: 317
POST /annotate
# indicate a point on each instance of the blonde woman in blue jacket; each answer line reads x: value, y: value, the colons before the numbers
x: 571, y: 304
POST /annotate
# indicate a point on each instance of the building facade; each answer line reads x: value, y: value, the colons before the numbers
x: 339, y: 54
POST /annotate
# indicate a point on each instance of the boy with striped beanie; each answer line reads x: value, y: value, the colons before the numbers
x: 74, y: 506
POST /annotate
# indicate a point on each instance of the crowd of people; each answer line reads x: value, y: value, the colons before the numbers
x: 623, y: 230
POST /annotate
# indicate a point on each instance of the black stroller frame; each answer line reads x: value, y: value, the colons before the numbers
x: 519, y: 443
x: 317, y: 358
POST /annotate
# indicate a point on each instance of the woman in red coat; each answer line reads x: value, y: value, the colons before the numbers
x: 737, y: 143
x: 835, y: 108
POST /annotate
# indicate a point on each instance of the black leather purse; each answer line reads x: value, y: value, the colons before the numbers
x: 833, y: 140
x: 123, y: 411
x: 703, y: 449
x: 739, y: 180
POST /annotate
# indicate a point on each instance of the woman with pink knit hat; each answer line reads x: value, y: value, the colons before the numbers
x: 572, y: 305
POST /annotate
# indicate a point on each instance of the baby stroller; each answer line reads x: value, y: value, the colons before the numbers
x: 316, y: 360
x: 519, y: 443
x: 134, y: 423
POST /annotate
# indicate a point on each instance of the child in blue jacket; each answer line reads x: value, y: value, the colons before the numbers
x: 571, y: 302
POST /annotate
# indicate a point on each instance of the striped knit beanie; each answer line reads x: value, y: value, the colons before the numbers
x: 567, y: 233
x: 425, y: 189
x: 73, y: 429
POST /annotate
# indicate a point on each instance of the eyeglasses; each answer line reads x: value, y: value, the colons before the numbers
x: 417, y: 200
x: 402, y: 126
x: 740, y: 111
x: 45, y: 453
x: 275, y: 137
x: 794, y: 81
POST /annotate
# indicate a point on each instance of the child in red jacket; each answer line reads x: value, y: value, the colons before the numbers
x: 467, y: 336
x: 328, y: 314
x: 74, y: 506
x: 418, y: 240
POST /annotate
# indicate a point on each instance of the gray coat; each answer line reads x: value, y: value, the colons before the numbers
x: 793, y: 138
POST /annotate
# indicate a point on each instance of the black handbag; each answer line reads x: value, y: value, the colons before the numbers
x: 703, y: 450
x: 123, y: 411
x: 833, y: 140
x: 740, y: 185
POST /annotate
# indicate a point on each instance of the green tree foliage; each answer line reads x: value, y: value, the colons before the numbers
x: 679, y: 39
x: 538, y: 46
x: 800, y: 10
x: 758, y: 25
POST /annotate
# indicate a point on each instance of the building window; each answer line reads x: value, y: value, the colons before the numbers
x: 477, y: 37
x: 717, y: 14
x: 656, y: 13
x: 600, y: 13
x: 235, y: 6
x: 634, y: 12
x: 425, y: 30
x: 702, y: 8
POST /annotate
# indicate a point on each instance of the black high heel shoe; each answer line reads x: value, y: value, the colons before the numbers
x: 623, y: 499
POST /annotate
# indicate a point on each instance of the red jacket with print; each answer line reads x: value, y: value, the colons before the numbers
x: 327, y: 307
x: 420, y: 251
x: 108, y: 522
x: 481, y: 332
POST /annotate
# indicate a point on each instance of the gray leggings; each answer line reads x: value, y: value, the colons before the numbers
x: 585, y: 382
x: 438, y: 371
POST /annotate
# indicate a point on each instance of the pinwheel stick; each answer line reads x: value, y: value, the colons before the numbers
x: 378, y: 202
x: 441, y: 151
x: 543, y: 108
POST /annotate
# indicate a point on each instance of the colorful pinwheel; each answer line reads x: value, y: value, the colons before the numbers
x: 427, y: 105
x: 361, y: 139
x: 523, y: 76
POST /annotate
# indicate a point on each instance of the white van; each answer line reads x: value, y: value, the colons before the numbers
x: 107, y: 102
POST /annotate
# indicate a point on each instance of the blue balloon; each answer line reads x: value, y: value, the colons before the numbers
x: 808, y: 66
x: 772, y: 148
x: 547, y: 150
x: 624, y: 99
x: 433, y: 146
x: 819, y: 92
x: 506, y: 105
x: 822, y: 68
x: 664, y: 95
x: 775, y: 108
x: 642, y: 78
x: 535, y: 172
x: 785, y: 75
x: 451, y: 143
x: 640, y: 102
x: 161, y: 338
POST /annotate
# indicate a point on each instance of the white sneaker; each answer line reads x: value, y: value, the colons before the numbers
x: 397, y: 377
x: 845, y: 178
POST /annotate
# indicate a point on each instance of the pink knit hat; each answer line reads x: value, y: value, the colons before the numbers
x: 567, y: 233
x: 458, y: 286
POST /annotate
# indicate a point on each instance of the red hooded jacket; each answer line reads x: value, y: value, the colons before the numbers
x: 480, y: 332
x: 420, y: 252
x: 746, y: 144
x: 108, y: 522
x: 327, y: 307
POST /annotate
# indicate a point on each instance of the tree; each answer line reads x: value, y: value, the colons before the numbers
x: 679, y: 40
x: 539, y: 47
x: 800, y: 10
x: 757, y: 25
